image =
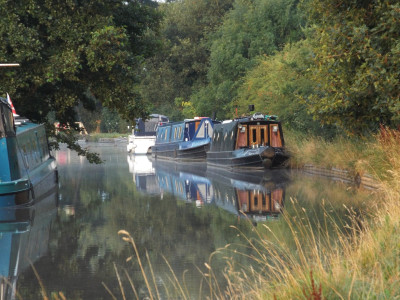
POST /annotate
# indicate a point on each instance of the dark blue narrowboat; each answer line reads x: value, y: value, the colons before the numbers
x: 251, y: 142
x: 27, y: 169
x: 186, y: 140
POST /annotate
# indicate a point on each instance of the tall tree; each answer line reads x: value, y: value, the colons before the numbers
x: 71, y: 51
x: 182, y: 64
x: 357, y: 63
x: 263, y: 86
x: 251, y: 29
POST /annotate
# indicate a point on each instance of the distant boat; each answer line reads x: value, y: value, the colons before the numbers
x: 185, y: 140
x: 27, y: 169
x: 143, y: 136
x: 250, y: 142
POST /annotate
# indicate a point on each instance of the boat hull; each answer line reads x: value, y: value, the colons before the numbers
x: 140, y: 145
x: 246, y: 158
x: 175, y: 152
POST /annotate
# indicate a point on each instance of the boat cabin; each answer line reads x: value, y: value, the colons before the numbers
x: 255, y: 135
x: 247, y: 133
x: 184, y: 131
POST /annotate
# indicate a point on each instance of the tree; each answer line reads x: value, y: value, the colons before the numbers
x: 251, y: 29
x: 263, y: 86
x: 73, y: 51
x: 181, y: 66
x: 357, y: 63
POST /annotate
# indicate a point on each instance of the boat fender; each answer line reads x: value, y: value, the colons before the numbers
x: 267, y: 163
x: 268, y: 153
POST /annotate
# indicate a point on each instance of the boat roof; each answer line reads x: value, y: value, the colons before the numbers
x: 24, y: 125
x: 157, y: 115
x: 184, y: 121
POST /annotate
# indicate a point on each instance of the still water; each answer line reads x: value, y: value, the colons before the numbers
x: 179, y: 213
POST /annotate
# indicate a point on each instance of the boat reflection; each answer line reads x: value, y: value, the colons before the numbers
x: 24, y: 238
x: 258, y: 196
x: 143, y: 174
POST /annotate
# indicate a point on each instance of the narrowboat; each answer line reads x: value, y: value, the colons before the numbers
x: 251, y: 142
x: 186, y: 140
x: 143, y: 135
x: 27, y: 170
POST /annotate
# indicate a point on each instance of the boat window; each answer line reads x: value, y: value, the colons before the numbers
x: 254, y: 139
x: 262, y: 136
x: 175, y: 132
x: 201, y: 131
x: 166, y: 136
x: 180, y: 133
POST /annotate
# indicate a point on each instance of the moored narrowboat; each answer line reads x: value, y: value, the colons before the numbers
x: 250, y: 142
x: 27, y: 170
x: 185, y: 140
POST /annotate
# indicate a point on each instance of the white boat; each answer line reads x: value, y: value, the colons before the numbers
x: 143, y: 136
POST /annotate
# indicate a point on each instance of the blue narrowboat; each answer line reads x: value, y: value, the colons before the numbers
x: 27, y: 170
x: 186, y: 140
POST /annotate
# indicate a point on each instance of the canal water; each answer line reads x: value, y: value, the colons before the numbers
x: 177, y: 216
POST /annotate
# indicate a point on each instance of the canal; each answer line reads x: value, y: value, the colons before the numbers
x: 176, y: 214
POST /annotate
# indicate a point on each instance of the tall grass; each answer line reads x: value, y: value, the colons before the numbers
x: 357, y: 155
x: 360, y: 260
x: 363, y: 262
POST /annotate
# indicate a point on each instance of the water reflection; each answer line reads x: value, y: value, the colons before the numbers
x: 255, y: 195
x: 181, y: 213
x: 24, y: 239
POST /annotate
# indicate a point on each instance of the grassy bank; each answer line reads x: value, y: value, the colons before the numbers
x: 95, y: 137
x: 362, y: 263
x: 357, y: 155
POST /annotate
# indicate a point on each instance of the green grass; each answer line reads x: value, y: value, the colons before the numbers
x: 363, y: 262
x: 94, y: 137
x: 357, y: 155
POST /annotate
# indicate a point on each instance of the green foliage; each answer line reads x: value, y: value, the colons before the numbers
x: 72, y: 52
x: 181, y: 65
x: 250, y: 29
x: 112, y: 122
x: 66, y: 49
x: 263, y: 86
x: 357, y: 63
